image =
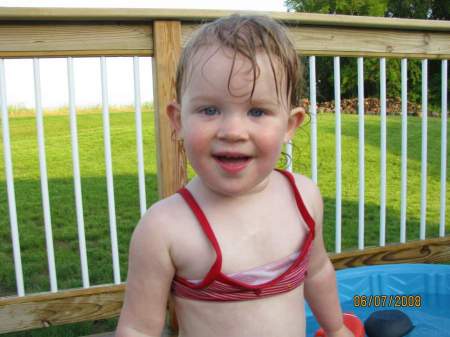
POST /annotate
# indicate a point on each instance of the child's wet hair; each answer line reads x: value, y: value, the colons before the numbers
x: 247, y: 35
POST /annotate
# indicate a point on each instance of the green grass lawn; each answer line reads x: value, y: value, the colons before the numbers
x: 327, y: 177
x: 59, y: 163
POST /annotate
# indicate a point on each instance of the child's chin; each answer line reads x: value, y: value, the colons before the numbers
x: 230, y: 189
x: 239, y: 188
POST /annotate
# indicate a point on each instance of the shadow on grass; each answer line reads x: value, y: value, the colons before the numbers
x: 349, y: 221
x: 65, y: 233
x: 96, y: 220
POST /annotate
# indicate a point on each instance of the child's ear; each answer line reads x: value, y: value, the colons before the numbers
x: 173, y: 111
x: 296, y: 117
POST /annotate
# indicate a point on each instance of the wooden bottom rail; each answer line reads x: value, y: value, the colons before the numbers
x: 101, y: 302
x: 423, y: 251
x: 67, y: 306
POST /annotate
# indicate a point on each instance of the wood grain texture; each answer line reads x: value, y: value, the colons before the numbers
x: 198, y: 15
x: 423, y: 251
x: 171, y: 162
x: 86, y: 39
x: 344, y: 41
x: 127, y: 38
x: 66, y: 306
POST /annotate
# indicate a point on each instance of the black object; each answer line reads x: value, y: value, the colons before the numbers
x: 388, y: 323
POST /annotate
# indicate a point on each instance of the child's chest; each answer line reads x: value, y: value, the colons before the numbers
x: 246, y: 239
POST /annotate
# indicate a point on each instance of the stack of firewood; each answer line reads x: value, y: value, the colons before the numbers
x: 371, y: 106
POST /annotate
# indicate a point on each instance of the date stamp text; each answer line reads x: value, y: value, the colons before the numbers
x: 377, y: 301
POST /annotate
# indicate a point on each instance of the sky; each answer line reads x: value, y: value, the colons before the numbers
x: 53, y: 72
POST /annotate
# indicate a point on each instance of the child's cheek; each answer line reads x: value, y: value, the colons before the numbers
x: 196, y: 143
x: 272, y: 137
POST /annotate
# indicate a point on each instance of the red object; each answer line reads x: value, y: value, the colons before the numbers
x: 352, y: 322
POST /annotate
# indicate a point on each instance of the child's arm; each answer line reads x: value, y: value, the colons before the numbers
x: 320, y: 284
x: 150, y: 273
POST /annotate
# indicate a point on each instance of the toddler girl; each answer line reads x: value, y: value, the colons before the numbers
x: 240, y: 246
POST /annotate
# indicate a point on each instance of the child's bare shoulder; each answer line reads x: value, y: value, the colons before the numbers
x: 306, y: 186
x: 310, y: 194
x: 155, y: 234
x: 161, y: 218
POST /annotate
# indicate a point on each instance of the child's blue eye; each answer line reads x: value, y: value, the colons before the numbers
x: 210, y: 111
x: 255, y: 112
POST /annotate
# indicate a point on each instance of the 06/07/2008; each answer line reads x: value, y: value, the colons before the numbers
x: 414, y: 301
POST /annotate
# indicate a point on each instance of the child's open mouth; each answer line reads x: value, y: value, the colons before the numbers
x: 233, y: 164
x: 232, y: 159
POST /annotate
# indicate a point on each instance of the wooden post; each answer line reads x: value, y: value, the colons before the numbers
x: 171, y: 162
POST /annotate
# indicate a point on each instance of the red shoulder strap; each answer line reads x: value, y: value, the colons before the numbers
x: 300, y: 204
x: 194, y: 206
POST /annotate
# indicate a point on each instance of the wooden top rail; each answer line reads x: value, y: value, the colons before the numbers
x: 197, y: 15
x: 59, y: 32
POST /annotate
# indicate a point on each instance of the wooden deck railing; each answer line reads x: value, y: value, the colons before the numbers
x: 58, y: 32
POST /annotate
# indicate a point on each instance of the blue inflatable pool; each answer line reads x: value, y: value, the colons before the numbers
x: 421, y: 291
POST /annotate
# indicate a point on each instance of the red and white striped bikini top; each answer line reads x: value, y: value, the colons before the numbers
x: 271, y: 279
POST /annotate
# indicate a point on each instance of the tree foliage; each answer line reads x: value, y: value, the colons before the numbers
x: 355, y: 7
x: 418, y: 9
x: 414, y: 9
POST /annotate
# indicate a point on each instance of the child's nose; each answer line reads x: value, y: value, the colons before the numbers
x: 233, y: 128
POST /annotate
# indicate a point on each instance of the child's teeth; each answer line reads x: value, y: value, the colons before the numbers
x: 233, y: 158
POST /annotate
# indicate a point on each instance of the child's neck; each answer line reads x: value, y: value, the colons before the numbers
x: 206, y: 193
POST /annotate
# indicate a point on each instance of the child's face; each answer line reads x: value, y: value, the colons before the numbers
x: 214, y: 118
